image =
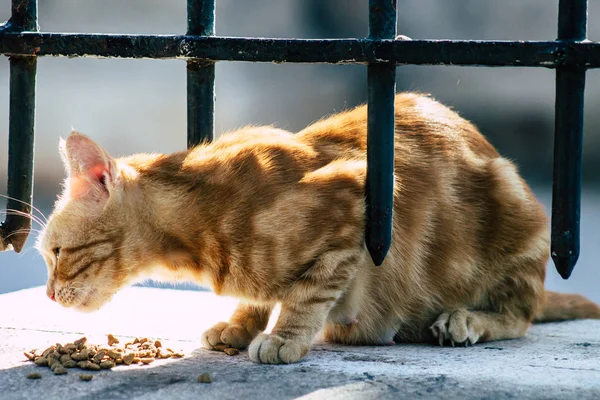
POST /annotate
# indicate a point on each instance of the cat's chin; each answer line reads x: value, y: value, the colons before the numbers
x: 88, y: 308
x: 93, y: 302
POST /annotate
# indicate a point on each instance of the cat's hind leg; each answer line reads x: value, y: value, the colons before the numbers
x: 247, y: 321
x: 508, y: 306
x: 469, y: 327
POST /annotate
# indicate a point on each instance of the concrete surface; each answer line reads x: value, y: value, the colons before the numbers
x: 554, y: 361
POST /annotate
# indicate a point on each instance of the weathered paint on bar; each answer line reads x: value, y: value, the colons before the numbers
x: 568, y: 143
x: 23, y: 16
x: 548, y: 54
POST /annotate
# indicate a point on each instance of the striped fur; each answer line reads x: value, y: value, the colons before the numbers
x: 271, y: 217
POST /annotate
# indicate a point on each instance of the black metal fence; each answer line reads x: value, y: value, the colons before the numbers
x: 571, y: 55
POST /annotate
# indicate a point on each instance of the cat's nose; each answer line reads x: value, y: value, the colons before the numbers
x: 50, y: 294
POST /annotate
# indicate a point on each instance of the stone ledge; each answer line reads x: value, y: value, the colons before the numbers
x: 560, y: 360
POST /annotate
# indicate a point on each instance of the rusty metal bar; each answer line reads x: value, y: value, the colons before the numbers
x: 568, y: 143
x: 550, y: 54
x: 200, y: 76
x: 380, y: 137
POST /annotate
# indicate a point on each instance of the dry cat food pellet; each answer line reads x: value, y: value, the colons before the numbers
x: 70, y: 364
x: 98, y: 357
x: 204, y: 378
x: 128, y: 358
x: 108, y: 364
x: 230, y: 351
x: 33, y: 375
x: 59, y: 369
x: 65, y: 358
x: 87, y: 356
x: 85, y: 377
x: 80, y: 343
x: 112, y: 340
x: 114, y: 354
x: 41, y: 362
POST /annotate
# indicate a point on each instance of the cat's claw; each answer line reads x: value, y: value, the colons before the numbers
x: 456, y: 328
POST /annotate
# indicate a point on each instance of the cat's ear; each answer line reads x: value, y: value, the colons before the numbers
x: 91, y: 171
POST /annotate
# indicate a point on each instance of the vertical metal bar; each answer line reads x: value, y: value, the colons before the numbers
x: 200, y: 76
x: 568, y: 143
x: 380, y: 137
x: 15, y: 229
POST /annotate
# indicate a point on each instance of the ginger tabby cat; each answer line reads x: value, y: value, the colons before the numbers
x: 271, y: 217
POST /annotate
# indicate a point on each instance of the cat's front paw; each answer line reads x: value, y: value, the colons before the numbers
x: 224, y: 333
x: 457, y: 327
x: 274, y: 349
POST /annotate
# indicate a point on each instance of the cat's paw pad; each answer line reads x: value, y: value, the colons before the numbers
x: 228, y: 334
x: 273, y: 349
x: 457, y: 327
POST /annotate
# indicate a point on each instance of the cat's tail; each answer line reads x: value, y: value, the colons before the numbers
x: 563, y: 307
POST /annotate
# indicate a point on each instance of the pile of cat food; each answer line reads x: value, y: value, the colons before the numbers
x: 92, y: 357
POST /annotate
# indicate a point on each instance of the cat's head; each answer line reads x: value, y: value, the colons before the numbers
x: 83, y: 240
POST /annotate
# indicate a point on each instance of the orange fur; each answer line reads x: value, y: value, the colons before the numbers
x: 271, y: 217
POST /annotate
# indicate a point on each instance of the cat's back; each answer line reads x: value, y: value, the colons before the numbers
x: 432, y: 126
x: 423, y: 127
x: 253, y: 156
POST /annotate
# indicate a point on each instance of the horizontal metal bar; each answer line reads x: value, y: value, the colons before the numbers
x: 568, y: 143
x: 381, y: 81
x: 337, y: 51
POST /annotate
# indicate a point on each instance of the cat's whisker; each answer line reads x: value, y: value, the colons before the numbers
x: 27, y: 204
x: 18, y: 231
x: 27, y: 250
x: 24, y: 214
x: 33, y: 217
x: 24, y: 230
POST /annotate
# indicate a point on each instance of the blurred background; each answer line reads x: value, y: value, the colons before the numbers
x: 140, y: 105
